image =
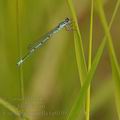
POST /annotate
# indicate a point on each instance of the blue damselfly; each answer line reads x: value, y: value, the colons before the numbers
x: 39, y: 43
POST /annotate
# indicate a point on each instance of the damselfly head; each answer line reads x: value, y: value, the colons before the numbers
x: 67, y: 20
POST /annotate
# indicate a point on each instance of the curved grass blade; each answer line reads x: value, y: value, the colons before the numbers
x: 10, y: 107
x: 113, y: 58
x: 75, y: 112
x: 78, y: 44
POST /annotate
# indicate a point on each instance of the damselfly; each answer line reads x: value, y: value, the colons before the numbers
x: 64, y: 24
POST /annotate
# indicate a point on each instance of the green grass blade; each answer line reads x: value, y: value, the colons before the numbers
x: 116, y: 77
x: 10, y: 107
x: 113, y: 58
x: 90, y: 60
x: 78, y: 44
x: 20, y: 69
x: 80, y: 100
x: 107, y: 32
x: 91, y: 38
x: 18, y: 8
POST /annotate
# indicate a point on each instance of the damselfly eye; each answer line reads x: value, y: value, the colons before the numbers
x: 67, y: 19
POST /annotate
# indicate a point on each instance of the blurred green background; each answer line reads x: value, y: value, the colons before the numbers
x: 51, y: 80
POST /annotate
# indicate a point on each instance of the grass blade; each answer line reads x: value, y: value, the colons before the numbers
x: 113, y: 58
x: 91, y: 37
x: 79, y: 102
x: 89, y: 60
x: 10, y: 107
x: 78, y: 44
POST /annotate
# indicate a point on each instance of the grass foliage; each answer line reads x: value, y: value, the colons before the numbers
x: 77, y: 107
x: 86, y: 73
